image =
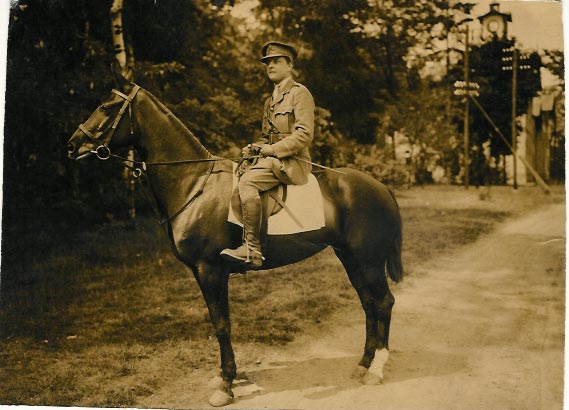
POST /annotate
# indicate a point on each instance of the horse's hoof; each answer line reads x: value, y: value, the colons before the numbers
x: 220, y: 398
x: 359, y: 372
x: 372, y: 379
x: 214, y: 383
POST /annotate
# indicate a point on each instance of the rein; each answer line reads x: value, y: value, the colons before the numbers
x: 137, y: 171
x: 191, y: 199
x: 104, y: 153
x: 141, y: 166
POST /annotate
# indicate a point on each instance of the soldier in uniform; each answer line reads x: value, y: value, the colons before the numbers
x: 288, y: 129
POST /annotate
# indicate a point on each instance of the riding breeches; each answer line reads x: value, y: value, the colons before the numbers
x: 259, y: 178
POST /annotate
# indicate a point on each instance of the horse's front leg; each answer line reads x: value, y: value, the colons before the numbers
x: 213, y: 283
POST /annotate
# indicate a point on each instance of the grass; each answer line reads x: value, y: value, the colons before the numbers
x: 106, y: 317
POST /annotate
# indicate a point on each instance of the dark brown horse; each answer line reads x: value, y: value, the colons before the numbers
x: 362, y: 222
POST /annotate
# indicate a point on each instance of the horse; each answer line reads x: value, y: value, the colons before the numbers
x: 362, y: 220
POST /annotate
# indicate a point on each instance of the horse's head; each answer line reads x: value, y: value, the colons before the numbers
x: 107, y: 126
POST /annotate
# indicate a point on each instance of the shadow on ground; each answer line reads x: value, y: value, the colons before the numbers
x: 322, y: 378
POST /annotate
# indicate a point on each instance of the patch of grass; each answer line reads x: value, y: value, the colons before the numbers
x: 430, y: 232
x: 107, y: 316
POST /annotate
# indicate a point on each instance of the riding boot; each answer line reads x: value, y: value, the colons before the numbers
x: 250, y: 251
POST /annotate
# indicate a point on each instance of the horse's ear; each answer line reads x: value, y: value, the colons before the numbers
x: 122, y: 80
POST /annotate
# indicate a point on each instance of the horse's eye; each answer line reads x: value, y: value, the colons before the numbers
x: 104, y: 108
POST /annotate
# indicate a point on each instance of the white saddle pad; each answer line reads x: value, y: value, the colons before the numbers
x: 303, y: 201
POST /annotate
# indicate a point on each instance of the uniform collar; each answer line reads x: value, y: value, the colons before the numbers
x: 283, y: 87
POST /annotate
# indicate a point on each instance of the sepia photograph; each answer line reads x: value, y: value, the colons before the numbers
x: 283, y: 204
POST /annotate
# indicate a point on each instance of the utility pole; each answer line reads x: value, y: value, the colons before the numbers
x: 514, y: 109
x: 466, y: 111
x: 515, y: 59
x: 466, y: 88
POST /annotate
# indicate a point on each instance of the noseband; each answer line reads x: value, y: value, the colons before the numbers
x: 102, y: 150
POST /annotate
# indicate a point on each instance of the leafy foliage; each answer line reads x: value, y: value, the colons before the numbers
x: 363, y: 60
x: 554, y: 61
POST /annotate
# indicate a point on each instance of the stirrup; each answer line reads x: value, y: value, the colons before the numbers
x: 250, y: 252
x: 252, y: 260
x: 243, y: 254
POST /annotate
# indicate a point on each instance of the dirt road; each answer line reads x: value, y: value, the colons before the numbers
x: 479, y: 329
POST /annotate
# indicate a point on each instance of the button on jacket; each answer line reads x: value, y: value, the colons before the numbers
x: 292, y: 114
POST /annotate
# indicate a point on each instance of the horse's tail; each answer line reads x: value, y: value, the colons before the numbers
x: 394, y: 264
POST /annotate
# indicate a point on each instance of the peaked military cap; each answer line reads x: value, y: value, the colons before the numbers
x: 278, y: 49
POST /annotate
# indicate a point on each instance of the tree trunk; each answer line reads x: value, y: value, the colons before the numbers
x: 123, y: 61
x: 117, y: 35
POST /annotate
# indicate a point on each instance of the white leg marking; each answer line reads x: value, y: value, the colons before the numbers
x: 375, y: 372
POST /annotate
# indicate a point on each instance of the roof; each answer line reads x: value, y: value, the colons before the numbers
x: 495, y: 11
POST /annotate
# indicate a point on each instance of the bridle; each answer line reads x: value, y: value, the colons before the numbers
x: 102, y: 151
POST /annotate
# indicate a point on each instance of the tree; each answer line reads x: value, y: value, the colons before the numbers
x: 117, y: 34
x: 56, y: 70
x: 553, y: 60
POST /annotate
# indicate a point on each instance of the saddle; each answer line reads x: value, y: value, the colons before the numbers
x: 303, y: 212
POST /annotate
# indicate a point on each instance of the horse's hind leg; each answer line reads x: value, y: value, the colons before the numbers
x: 356, y: 277
x: 377, y: 301
x: 383, y: 302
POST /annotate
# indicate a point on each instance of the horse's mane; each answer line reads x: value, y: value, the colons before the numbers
x: 165, y: 110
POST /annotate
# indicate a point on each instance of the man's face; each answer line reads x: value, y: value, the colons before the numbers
x: 278, y: 68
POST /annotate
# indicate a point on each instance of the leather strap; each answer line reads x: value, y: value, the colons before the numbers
x: 127, y: 101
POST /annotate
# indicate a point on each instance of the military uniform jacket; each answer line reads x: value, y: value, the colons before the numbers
x: 288, y: 124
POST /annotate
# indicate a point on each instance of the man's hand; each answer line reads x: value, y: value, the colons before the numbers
x: 246, y: 151
x: 250, y: 150
x: 267, y: 150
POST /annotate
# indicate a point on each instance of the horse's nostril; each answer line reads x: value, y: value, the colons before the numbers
x: 70, y: 148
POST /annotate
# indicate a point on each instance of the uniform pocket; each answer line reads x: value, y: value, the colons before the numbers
x: 285, y: 109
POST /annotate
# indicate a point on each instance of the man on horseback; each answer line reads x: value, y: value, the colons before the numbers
x: 288, y: 129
